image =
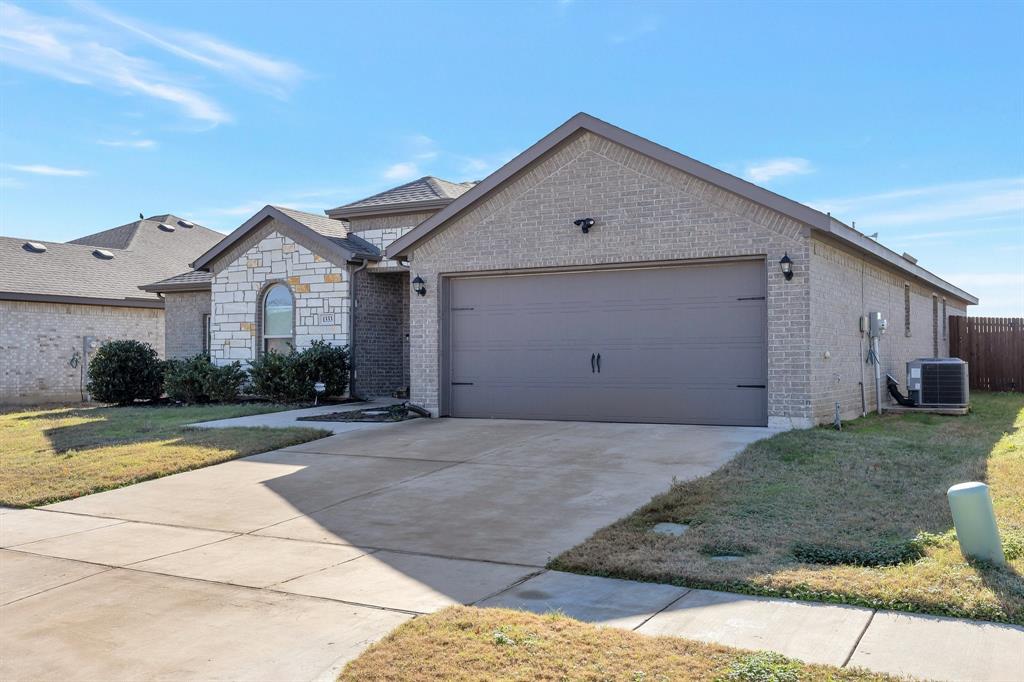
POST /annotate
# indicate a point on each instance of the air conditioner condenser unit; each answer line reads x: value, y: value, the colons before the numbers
x: 938, y: 382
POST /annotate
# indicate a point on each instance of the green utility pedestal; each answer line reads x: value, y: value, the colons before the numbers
x: 975, y: 522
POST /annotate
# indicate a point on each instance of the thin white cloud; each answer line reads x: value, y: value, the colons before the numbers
x: 42, y: 169
x: 932, y: 204
x: 131, y: 143
x: 769, y: 169
x: 401, y: 172
x: 73, y: 53
x: 273, y: 76
x: 639, y: 29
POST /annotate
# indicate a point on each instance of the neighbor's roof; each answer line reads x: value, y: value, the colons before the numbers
x: 193, y: 280
x: 427, y: 193
x: 816, y: 220
x: 331, y: 235
x: 80, y: 272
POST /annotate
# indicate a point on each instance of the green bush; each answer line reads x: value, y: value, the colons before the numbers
x: 125, y: 371
x: 224, y: 382
x: 290, y: 378
x: 197, y: 380
x: 326, y: 363
x: 185, y: 380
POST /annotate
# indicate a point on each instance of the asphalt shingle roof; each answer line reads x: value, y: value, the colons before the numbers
x: 335, y: 230
x: 142, y: 252
x: 427, y: 188
x: 200, y: 279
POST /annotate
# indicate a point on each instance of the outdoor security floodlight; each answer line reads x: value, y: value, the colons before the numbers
x: 419, y: 286
x: 584, y: 224
x: 786, y: 265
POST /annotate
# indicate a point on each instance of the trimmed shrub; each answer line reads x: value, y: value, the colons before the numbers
x: 125, y: 371
x: 197, y: 380
x: 326, y: 363
x: 273, y: 376
x: 224, y: 383
x: 290, y: 378
x: 185, y: 380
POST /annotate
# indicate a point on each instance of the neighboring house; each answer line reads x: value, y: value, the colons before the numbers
x: 58, y: 301
x: 596, y: 276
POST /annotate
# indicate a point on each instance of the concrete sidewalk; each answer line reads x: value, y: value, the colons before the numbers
x: 927, y: 647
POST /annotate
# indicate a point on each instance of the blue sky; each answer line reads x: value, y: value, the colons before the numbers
x: 906, y: 118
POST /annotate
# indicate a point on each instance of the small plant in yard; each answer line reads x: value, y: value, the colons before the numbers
x: 763, y: 666
x: 125, y: 371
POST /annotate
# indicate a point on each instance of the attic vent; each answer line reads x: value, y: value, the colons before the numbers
x: 103, y: 253
x: 908, y: 257
x: 186, y: 223
x: 34, y: 247
x: 166, y: 228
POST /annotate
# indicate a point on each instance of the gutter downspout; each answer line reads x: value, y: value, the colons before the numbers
x: 352, y: 324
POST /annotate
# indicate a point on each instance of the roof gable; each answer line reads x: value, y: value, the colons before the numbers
x: 815, y: 219
x: 424, y: 193
x: 329, y: 236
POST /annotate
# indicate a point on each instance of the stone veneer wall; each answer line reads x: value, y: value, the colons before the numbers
x: 382, y: 230
x: 183, y: 315
x: 844, y: 286
x: 645, y: 211
x: 381, y: 345
x: 39, y: 340
x: 318, y: 286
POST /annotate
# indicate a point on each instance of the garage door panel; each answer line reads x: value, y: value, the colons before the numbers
x: 675, y: 344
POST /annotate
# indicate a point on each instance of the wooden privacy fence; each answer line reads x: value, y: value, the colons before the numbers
x: 993, y: 348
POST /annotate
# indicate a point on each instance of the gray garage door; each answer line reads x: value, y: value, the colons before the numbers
x: 683, y: 345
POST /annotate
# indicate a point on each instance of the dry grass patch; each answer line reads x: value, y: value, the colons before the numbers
x: 466, y: 643
x: 858, y: 516
x: 48, y: 455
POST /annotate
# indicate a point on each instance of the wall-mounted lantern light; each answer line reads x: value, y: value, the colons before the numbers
x: 584, y: 224
x: 419, y: 286
x: 786, y: 265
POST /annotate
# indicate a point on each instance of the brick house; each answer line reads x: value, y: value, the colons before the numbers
x: 58, y: 301
x: 596, y: 276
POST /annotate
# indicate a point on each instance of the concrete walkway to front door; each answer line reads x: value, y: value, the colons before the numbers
x: 285, y: 565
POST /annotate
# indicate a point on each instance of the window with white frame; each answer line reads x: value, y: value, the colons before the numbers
x: 278, y: 320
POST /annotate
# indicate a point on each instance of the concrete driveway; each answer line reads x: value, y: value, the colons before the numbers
x: 285, y: 565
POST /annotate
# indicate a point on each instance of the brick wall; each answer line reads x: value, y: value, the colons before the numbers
x: 183, y: 316
x: 844, y: 286
x: 645, y: 211
x: 381, y: 346
x: 318, y: 286
x: 39, y: 340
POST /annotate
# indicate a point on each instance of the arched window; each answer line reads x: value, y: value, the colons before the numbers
x: 277, y: 319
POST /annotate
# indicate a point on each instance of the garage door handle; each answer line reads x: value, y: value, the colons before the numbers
x: 751, y: 386
x: 598, y: 363
x: 593, y: 366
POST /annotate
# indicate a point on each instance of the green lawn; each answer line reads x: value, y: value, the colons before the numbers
x: 858, y: 516
x: 466, y: 643
x: 52, y: 454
